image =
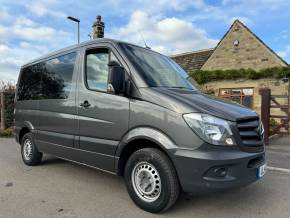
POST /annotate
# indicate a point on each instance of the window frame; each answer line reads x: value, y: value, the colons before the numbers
x: 85, y: 66
x: 228, y: 96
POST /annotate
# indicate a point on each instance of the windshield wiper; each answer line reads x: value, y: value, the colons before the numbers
x: 174, y: 87
x: 180, y: 87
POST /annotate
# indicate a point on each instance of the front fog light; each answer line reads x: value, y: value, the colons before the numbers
x: 229, y: 141
x: 220, y: 172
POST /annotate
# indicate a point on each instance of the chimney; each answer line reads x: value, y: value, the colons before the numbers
x: 98, y: 28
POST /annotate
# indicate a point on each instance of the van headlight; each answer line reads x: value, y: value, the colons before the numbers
x: 211, y: 129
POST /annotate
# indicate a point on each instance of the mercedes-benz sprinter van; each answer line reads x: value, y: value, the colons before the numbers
x: 133, y: 112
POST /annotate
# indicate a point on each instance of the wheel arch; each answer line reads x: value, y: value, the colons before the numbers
x: 138, y: 138
x: 26, y: 127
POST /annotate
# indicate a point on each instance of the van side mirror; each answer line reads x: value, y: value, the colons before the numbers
x: 116, y: 79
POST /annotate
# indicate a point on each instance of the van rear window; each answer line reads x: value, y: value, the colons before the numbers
x: 29, y: 84
x: 51, y: 79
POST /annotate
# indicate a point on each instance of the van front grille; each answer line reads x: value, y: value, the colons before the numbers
x: 251, y: 133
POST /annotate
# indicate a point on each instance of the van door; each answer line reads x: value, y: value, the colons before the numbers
x: 103, y: 117
x: 57, y: 107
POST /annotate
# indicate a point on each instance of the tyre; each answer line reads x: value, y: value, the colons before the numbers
x: 151, y: 180
x: 30, y: 155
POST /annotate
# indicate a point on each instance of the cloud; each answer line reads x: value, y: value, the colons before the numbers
x: 42, y: 8
x: 24, y: 28
x: 247, y: 11
x: 285, y: 52
x: 283, y: 35
x: 24, y: 40
x: 12, y: 57
x: 4, y: 13
x: 166, y: 35
x: 245, y: 20
x: 257, y: 5
x: 30, y: 28
x: 37, y: 33
x: 3, y: 48
x: 24, y: 21
x: 178, y: 5
x: 153, y: 7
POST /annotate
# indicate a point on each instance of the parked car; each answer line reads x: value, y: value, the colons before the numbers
x: 132, y: 112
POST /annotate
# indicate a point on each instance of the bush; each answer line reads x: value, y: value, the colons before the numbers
x: 273, y: 124
x: 203, y: 76
x: 7, y: 132
x: 9, y: 109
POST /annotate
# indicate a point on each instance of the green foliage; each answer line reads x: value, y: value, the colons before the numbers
x: 202, y: 76
x: 9, y: 109
x: 7, y: 132
x: 273, y: 124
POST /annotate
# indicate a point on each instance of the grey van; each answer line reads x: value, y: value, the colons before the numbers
x: 133, y: 112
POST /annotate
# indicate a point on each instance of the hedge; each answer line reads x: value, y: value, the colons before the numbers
x: 202, y: 76
x: 9, y: 109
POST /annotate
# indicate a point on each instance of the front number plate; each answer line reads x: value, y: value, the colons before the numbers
x: 261, y: 171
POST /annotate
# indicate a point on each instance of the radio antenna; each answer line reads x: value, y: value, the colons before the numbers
x: 141, y: 35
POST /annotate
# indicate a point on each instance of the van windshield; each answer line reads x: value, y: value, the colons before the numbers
x: 157, y: 70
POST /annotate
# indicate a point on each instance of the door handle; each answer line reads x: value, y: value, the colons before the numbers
x: 85, y: 104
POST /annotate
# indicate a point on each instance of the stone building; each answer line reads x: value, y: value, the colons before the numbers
x: 239, y: 48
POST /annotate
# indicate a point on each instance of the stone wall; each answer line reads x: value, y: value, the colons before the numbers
x: 240, y: 48
x: 277, y: 88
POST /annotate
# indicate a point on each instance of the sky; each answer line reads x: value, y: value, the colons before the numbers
x: 29, y: 29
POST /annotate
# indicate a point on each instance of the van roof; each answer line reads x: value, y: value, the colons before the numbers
x: 93, y: 41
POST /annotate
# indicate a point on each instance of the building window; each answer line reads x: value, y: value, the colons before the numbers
x: 243, y: 96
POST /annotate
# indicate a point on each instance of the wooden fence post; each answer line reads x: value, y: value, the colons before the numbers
x: 2, y: 103
x: 288, y: 106
x: 265, y: 112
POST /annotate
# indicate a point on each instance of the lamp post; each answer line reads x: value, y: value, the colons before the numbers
x: 78, y: 22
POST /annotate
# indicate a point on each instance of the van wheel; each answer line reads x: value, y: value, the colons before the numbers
x: 30, y: 155
x: 151, y: 180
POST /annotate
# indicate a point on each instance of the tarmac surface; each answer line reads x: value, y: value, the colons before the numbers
x: 59, y: 188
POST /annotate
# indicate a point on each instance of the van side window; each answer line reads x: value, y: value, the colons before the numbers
x: 57, y: 77
x: 51, y: 79
x: 97, y: 69
x: 29, y: 83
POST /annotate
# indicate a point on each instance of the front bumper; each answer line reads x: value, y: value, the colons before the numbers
x: 213, y: 169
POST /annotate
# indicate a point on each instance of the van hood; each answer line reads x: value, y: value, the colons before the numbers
x: 188, y: 101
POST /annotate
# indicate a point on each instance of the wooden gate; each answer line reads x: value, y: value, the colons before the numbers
x: 283, y: 119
